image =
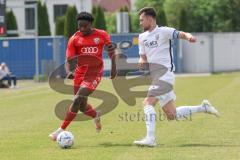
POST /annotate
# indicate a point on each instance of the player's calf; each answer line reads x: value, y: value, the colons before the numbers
x: 170, y: 110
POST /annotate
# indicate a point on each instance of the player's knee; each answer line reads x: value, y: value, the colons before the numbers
x: 82, y: 109
x: 78, y: 99
x: 149, y: 101
x: 83, y: 106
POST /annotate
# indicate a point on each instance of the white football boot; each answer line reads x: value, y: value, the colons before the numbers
x: 53, y: 135
x: 209, y: 108
x: 150, y: 142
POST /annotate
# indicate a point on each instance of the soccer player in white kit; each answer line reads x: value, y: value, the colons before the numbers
x: 155, y: 50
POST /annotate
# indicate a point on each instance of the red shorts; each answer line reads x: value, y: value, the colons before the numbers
x: 86, y: 83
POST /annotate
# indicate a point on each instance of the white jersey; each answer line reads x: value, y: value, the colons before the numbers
x: 156, y: 45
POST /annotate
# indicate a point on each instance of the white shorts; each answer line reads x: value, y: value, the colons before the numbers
x: 162, y: 88
x: 164, y: 99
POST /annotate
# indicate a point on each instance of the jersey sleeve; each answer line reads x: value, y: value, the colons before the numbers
x: 107, y: 39
x: 170, y: 33
x: 71, y: 50
x: 141, y: 46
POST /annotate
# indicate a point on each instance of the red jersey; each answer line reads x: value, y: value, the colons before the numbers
x: 89, y: 48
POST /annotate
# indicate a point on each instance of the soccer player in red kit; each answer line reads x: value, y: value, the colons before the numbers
x: 87, y: 45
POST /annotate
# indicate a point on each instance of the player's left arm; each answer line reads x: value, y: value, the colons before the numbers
x: 112, y: 55
x: 172, y: 33
x: 111, y: 48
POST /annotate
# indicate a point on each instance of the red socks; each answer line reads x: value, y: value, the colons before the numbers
x: 71, y: 115
x: 68, y: 119
x: 90, y: 111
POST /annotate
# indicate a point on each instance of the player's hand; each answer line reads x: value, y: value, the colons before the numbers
x: 142, y: 64
x: 113, y: 73
x: 191, y: 38
x: 111, y: 47
x: 70, y: 75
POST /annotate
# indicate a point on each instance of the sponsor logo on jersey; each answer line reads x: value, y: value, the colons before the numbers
x: 89, y: 50
x: 152, y: 44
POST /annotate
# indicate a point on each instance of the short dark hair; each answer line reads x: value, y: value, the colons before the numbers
x: 85, y: 16
x: 148, y: 11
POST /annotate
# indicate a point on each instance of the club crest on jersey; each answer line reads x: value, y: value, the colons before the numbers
x: 96, y: 40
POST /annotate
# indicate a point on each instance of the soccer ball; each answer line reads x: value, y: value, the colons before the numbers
x: 65, y: 139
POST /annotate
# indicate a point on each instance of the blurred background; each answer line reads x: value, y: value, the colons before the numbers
x: 34, y: 34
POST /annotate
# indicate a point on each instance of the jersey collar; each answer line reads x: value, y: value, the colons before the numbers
x: 153, y: 30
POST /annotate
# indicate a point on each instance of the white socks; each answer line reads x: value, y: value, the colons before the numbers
x: 150, y: 120
x: 181, y: 112
x: 185, y: 111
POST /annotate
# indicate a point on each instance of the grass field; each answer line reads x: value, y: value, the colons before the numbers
x: 27, y: 117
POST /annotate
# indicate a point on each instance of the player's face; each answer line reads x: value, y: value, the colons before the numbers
x: 144, y: 22
x: 85, y: 27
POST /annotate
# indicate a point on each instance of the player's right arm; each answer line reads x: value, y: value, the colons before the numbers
x: 142, y: 62
x: 110, y: 47
x: 70, y: 64
x: 143, y: 58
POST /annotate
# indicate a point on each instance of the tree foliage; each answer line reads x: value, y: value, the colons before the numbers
x: 204, y: 16
x: 99, y: 19
x: 70, y: 25
x: 43, y: 23
x: 111, y: 22
x: 59, y: 25
x: 183, y: 20
x: 94, y: 11
x: 11, y: 23
x: 135, y: 28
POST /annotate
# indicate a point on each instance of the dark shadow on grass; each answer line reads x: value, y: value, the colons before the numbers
x: 208, y: 145
x: 110, y: 144
x: 84, y: 146
x: 105, y: 144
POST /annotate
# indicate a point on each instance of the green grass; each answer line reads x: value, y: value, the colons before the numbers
x: 27, y: 117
